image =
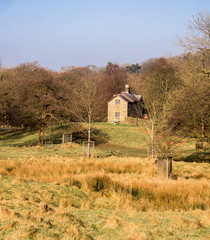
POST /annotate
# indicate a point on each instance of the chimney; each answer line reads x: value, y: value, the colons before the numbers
x: 127, y: 88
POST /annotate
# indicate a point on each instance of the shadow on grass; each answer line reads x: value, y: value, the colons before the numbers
x: 120, y: 150
x: 202, y: 156
x: 24, y: 137
x: 96, y: 135
x: 17, y: 138
x: 78, y: 136
x: 12, y: 134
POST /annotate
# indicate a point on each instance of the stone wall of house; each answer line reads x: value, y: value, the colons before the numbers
x: 121, y: 108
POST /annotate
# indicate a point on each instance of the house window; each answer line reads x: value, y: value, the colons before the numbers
x: 117, y: 114
x: 117, y: 102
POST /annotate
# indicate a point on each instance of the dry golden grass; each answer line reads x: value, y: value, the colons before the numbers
x: 52, y: 169
x: 5, y: 213
x: 112, y: 198
x: 127, y: 182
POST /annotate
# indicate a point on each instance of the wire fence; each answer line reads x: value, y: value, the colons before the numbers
x: 66, y: 139
x: 88, y: 149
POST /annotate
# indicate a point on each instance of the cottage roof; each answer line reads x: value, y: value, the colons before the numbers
x: 127, y: 97
x: 121, y: 96
x: 130, y: 95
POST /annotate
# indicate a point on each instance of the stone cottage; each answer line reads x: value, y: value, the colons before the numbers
x: 125, y: 104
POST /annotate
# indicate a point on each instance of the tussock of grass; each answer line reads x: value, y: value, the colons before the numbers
x: 144, y: 194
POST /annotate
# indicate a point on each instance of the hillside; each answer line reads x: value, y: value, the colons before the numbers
x: 110, y: 140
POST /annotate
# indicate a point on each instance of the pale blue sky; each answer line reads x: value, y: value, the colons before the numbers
x: 60, y: 33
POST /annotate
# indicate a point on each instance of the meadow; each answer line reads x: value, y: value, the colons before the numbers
x: 57, y: 193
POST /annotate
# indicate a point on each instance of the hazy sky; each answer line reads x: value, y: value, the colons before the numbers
x: 60, y: 33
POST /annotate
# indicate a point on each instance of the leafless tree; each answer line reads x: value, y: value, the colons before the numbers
x: 86, y: 98
x: 198, y: 37
x: 159, y: 78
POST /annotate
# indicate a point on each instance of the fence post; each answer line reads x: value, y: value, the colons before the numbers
x: 164, y: 167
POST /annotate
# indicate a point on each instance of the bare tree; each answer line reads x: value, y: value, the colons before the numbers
x: 191, y: 110
x: 159, y: 78
x: 150, y: 125
x: 198, y: 37
x: 86, y: 99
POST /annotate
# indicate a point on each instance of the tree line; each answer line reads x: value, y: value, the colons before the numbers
x: 175, y: 89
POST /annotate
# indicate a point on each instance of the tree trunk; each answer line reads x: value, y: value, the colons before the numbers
x: 6, y: 120
x: 41, y: 136
x: 152, y: 139
x: 89, y: 129
x: 202, y: 130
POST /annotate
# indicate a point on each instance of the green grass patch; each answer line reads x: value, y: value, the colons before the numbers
x: 110, y: 140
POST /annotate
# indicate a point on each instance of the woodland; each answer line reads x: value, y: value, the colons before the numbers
x: 175, y: 90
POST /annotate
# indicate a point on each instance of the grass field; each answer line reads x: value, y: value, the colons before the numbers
x: 56, y: 193
x: 110, y: 140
